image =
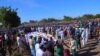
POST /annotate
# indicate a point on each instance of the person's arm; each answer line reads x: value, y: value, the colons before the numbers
x: 66, y: 45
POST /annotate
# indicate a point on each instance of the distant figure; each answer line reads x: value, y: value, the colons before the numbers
x: 9, y: 44
x: 20, y: 44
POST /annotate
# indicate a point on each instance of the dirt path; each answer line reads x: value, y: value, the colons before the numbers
x: 91, y: 49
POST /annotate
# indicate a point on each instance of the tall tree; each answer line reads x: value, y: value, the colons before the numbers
x: 9, y: 17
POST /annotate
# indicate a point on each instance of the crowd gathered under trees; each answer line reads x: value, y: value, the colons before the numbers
x: 48, y: 40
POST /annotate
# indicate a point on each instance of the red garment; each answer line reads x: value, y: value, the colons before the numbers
x: 65, y: 32
x: 66, y: 53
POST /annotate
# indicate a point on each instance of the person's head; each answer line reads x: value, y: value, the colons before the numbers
x: 31, y: 37
x: 51, y: 38
x: 59, y: 37
x: 18, y: 35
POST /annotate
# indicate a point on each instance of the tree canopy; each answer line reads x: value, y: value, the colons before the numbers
x: 67, y: 18
x: 88, y: 16
x: 48, y: 20
x: 9, y: 17
x: 97, y: 16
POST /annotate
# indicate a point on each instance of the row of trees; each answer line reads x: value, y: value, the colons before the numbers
x: 68, y: 18
x: 9, y: 17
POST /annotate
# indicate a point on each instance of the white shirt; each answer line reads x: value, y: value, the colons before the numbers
x: 87, y: 32
x: 57, y: 32
x: 27, y: 38
x: 83, y: 34
x: 61, y: 33
x: 6, y: 37
x: 37, y: 46
x: 39, y: 52
x: 18, y: 40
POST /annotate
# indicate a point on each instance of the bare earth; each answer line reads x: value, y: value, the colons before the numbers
x: 91, y: 49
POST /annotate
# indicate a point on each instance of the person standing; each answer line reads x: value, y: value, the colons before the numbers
x: 87, y: 34
x: 31, y: 46
x: 58, y: 49
x: 73, y: 46
x: 78, y: 38
x: 66, y: 51
x: 20, y: 44
x: 6, y: 37
x: 37, y: 45
x: 51, y: 46
x: 2, y: 46
x: 9, y: 44
x: 61, y: 34
x: 57, y: 33
x: 39, y: 51
x: 83, y: 37
x: 47, y: 52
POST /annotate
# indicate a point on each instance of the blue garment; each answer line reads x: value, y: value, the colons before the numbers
x: 51, y: 43
x: 32, y: 52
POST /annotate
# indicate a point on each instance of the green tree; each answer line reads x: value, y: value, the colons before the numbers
x: 49, y: 20
x: 88, y: 16
x: 78, y: 18
x: 9, y: 17
x: 52, y: 20
x: 43, y: 20
x: 97, y: 16
x: 67, y: 18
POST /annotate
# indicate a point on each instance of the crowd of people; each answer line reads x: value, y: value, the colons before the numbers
x: 50, y: 41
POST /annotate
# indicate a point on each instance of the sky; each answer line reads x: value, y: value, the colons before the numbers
x: 39, y: 9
